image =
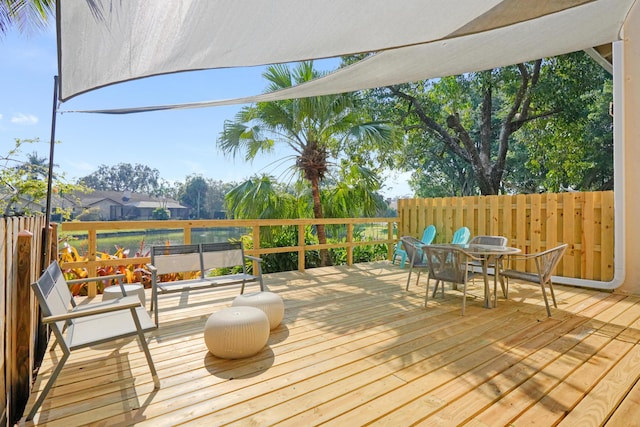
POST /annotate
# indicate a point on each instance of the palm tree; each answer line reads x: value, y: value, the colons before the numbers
x: 24, y: 14
x: 317, y: 129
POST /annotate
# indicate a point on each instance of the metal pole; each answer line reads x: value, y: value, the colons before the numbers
x: 47, y: 223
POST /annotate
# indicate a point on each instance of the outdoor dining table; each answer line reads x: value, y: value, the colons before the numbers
x: 487, y: 254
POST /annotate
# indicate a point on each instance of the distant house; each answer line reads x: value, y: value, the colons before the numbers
x: 119, y: 206
x: 19, y: 206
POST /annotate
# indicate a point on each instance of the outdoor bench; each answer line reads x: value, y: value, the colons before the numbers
x: 200, y: 257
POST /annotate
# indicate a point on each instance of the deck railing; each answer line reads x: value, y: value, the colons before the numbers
x: 95, y: 228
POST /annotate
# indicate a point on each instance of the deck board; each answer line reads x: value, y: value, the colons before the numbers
x: 355, y: 348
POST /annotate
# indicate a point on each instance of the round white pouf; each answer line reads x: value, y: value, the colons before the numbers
x: 114, y: 291
x: 236, y: 332
x: 270, y: 303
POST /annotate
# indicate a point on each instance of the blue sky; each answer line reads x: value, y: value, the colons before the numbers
x: 177, y: 143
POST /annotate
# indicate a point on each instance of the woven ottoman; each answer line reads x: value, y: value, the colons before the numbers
x: 236, y: 332
x: 270, y: 303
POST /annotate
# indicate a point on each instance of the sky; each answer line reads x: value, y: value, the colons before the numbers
x: 177, y: 143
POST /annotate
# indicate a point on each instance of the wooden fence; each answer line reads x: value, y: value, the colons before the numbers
x: 532, y: 222
x: 23, y: 339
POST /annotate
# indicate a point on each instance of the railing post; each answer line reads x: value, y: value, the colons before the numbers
x: 301, y: 243
x: 92, y: 240
x: 390, y: 237
x: 350, y: 244
x: 186, y: 232
x: 20, y: 332
x: 256, y: 244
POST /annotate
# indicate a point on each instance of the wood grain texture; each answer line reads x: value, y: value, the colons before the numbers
x: 355, y: 349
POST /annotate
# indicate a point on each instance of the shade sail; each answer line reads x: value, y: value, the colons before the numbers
x: 102, y: 42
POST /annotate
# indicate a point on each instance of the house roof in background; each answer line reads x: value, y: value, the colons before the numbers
x: 126, y: 199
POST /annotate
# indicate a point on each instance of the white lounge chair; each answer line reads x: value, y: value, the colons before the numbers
x: 78, y: 326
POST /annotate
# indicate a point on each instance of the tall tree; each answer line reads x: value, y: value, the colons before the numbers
x: 571, y: 150
x: 124, y: 176
x: 194, y: 194
x: 317, y: 129
x: 460, y: 128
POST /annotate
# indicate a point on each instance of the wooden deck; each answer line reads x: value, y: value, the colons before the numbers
x: 356, y: 349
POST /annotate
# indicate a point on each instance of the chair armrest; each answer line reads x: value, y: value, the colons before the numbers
x: 96, y: 279
x: 522, y: 257
x: 124, y: 303
x: 253, y: 258
x: 152, y: 268
x: 471, y: 256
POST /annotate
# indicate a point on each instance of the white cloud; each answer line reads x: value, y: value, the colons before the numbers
x: 24, y: 119
x: 0, y: 116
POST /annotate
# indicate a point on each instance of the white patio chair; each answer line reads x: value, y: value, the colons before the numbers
x: 77, y: 326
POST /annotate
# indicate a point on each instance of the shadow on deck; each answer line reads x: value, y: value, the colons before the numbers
x: 355, y: 348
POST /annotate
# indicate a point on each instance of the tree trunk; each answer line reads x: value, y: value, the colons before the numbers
x: 325, y: 259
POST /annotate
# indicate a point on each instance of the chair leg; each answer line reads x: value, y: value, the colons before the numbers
x: 49, y: 384
x: 403, y: 260
x: 546, y: 300
x: 154, y: 304
x: 435, y: 288
x: 498, y: 269
x: 553, y: 295
x: 464, y: 297
x: 145, y: 348
x: 426, y: 294
x: 409, y: 278
x: 418, y: 279
x: 504, y: 283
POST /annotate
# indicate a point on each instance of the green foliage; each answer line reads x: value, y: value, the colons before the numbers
x: 25, y: 15
x: 91, y: 214
x: 365, y: 253
x: 161, y: 214
x: 473, y: 133
x: 572, y: 151
x: 23, y: 183
x: 318, y: 130
x: 288, y: 261
x: 136, y: 178
x: 287, y: 236
x: 194, y: 194
x: 261, y: 197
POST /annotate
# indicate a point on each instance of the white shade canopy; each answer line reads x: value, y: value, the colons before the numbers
x: 102, y: 42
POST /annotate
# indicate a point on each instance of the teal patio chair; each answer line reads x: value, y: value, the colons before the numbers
x: 461, y: 236
x: 427, y: 237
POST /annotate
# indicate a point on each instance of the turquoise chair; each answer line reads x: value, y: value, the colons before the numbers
x: 461, y: 236
x: 427, y: 237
